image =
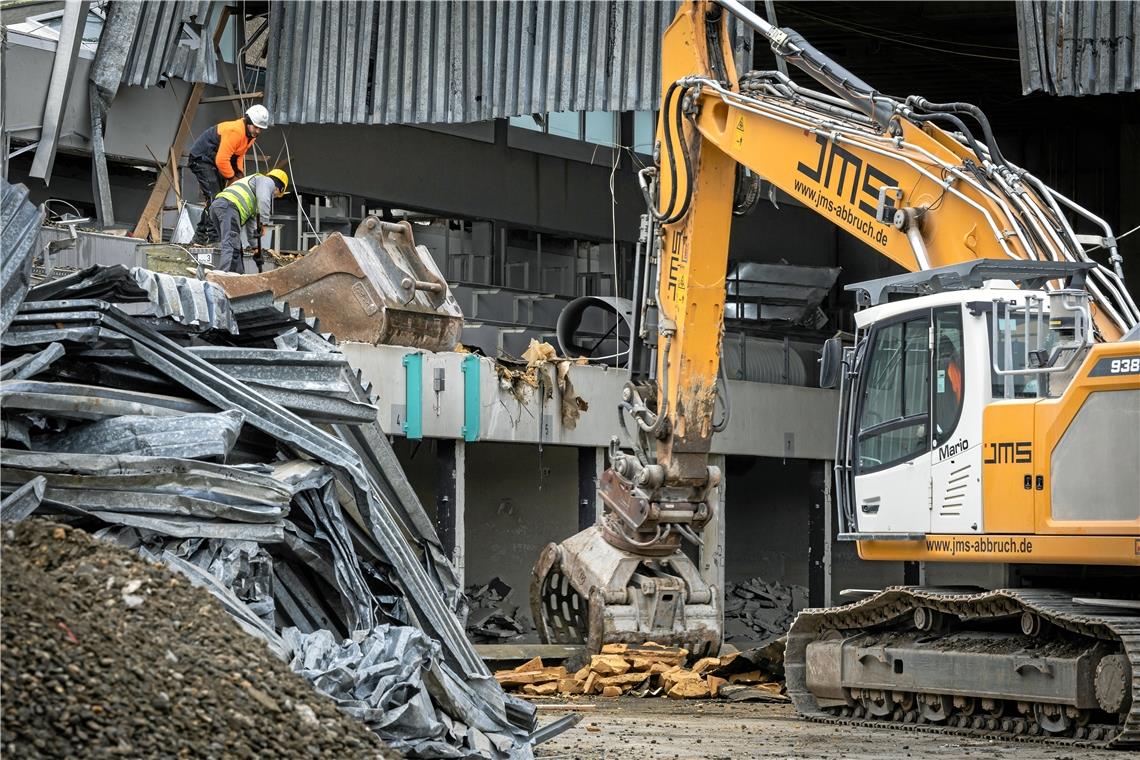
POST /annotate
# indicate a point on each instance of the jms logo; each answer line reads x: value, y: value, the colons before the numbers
x: 847, y: 174
x: 675, y: 278
x: 1009, y: 452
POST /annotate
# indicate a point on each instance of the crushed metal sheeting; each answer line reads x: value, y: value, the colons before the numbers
x: 200, y: 448
x: 1071, y: 48
x: 90, y: 402
x: 21, y: 224
x: 186, y: 300
x: 23, y: 501
x: 170, y: 39
x: 385, y: 677
x: 191, y: 436
x: 31, y: 364
x: 383, y: 62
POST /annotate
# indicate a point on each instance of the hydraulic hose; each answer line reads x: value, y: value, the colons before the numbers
x: 970, y: 109
x: 672, y: 213
x: 956, y: 122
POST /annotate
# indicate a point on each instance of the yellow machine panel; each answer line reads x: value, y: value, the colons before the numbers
x: 1089, y: 440
x: 1007, y: 467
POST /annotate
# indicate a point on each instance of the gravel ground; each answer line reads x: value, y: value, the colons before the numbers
x: 106, y: 654
x: 664, y: 729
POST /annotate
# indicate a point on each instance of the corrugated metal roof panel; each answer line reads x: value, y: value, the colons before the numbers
x: 1085, y: 48
x: 392, y: 62
x: 172, y: 40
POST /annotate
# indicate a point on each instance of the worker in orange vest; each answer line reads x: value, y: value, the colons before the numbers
x: 217, y: 158
x: 948, y: 387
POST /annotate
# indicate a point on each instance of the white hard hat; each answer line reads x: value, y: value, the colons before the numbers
x: 258, y: 116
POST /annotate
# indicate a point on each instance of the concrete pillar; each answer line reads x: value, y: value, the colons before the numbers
x: 450, y: 520
x: 711, y: 556
x: 590, y: 462
x: 819, y: 533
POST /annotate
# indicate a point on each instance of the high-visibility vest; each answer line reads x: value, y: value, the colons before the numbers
x: 242, y: 196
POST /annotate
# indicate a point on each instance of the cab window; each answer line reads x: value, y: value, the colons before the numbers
x: 894, y: 411
x: 949, y: 372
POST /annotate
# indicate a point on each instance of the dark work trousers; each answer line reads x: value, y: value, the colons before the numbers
x: 210, y: 183
x: 225, y: 218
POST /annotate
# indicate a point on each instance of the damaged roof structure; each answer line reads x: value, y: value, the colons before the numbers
x: 230, y: 440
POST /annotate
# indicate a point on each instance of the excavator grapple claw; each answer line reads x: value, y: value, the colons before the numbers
x: 586, y: 591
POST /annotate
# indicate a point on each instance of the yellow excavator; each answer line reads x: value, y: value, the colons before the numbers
x: 990, y: 409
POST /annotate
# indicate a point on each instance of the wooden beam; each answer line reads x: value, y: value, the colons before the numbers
x: 235, y: 96
x: 162, y: 183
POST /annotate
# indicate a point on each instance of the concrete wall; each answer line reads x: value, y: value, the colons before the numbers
x: 513, y: 511
x: 766, y: 529
x: 766, y: 519
x: 433, y: 171
x: 767, y: 419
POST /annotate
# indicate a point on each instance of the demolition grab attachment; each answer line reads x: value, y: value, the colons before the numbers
x: 626, y: 579
x: 376, y: 287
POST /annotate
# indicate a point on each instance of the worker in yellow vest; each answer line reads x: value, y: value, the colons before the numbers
x: 245, y: 203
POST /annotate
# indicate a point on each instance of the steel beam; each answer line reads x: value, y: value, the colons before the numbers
x: 445, y: 489
x: 66, y: 52
x: 587, y: 486
x: 818, y: 534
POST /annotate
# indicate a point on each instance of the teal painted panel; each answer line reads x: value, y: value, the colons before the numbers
x: 471, y: 407
x: 414, y: 396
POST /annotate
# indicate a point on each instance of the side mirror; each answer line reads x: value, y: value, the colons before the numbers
x: 830, y: 363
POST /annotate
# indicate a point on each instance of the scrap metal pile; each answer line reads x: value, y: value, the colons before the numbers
x: 757, y: 612
x: 492, y: 619
x: 230, y: 440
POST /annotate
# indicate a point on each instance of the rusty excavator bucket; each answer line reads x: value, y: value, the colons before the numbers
x: 376, y: 287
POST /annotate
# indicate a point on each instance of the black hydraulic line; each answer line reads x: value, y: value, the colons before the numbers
x: 671, y: 213
x: 835, y: 77
x: 665, y: 134
x: 955, y: 121
x: 712, y: 41
x: 687, y: 162
x: 971, y: 110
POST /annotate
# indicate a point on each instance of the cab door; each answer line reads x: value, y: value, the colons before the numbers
x: 892, y: 429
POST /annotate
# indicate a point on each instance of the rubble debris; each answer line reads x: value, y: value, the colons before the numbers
x: 491, y: 618
x: 758, y: 612
x: 541, y: 369
x: 104, y: 654
x: 303, y: 520
x: 652, y: 670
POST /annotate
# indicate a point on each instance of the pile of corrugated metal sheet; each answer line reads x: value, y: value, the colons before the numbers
x: 233, y: 442
x: 1071, y: 48
x: 20, y: 222
x: 394, y: 62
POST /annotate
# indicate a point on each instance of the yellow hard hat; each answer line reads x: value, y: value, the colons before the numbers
x: 280, y: 176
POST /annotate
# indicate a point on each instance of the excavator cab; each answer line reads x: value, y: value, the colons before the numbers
x: 921, y: 375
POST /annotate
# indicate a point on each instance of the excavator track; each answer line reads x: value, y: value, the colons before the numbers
x: 1116, y: 630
